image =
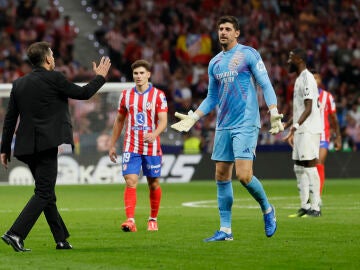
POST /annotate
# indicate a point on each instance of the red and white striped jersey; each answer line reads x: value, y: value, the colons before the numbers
x: 327, y: 107
x: 142, y: 111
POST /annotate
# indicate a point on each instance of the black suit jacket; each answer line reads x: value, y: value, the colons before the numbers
x: 40, y: 98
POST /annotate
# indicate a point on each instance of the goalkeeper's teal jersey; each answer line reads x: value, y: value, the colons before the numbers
x: 233, y: 76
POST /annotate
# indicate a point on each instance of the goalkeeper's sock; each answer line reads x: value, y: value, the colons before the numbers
x: 303, y: 184
x: 130, y: 202
x: 255, y: 188
x: 321, y: 170
x: 314, y: 180
x: 225, y: 201
x: 155, y: 198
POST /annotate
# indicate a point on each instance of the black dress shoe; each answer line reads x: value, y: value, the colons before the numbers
x: 15, y: 241
x: 63, y: 245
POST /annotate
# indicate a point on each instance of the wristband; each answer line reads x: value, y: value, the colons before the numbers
x: 193, y: 115
x: 296, y: 126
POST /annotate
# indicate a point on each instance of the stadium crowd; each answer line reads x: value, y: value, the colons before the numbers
x: 179, y: 38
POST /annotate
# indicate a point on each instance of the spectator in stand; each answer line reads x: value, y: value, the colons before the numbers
x: 25, y: 10
x: 67, y: 33
x: 160, y: 72
x: 116, y: 43
x: 52, y: 12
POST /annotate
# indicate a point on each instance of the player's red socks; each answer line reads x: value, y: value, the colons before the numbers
x: 155, y: 197
x: 321, y: 171
x: 130, y: 202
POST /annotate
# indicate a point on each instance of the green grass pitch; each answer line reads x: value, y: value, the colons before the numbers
x: 188, y: 214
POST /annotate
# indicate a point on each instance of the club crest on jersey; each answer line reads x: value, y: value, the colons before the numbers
x: 236, y: 60
x: 260, y: 66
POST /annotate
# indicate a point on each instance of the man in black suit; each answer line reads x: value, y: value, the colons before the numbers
x: 40, y: 101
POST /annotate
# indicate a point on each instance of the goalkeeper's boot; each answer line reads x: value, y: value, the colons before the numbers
x: 270, y: 222
x: 152, y: 225
x: 300, y: 213
x: 129, y: 226
x: 220, y: 236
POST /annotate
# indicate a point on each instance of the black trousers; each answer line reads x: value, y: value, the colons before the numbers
x: 43, y: 166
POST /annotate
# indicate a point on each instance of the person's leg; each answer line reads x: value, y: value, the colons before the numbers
x: 155, y: 194
x: 225, y: 196
x: 223, y: 155
x: 321, y: 167
x: 303, y: 184
x: 252, y: 184
x: 132, y: 163
x: 313, y: 176
x: 44, y: 189
x: 47, y: 168
x: 244, y: 145
x: 225, y: 200
x: 152, y: 170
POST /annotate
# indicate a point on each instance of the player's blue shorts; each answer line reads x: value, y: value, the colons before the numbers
x: 324, y: 144
x: 132, y: 162
x: 231, y: 144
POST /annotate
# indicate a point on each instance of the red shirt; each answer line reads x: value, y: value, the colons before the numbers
x: 142, y: 117
x: 327, y: 107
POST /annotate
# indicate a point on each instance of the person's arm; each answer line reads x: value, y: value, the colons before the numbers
x: 162, y: 124
x: 207, y: 105
x: 335, y: 125
x: 85, y: 92
x: 116, y: 132
x: 262, y: 78
x: 305, y: 114
x: 9, y: 126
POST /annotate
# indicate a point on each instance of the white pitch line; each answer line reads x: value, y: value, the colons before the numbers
x: 246, y: 205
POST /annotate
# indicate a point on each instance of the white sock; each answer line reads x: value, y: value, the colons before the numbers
x: 226, y: 230
x: 303, y: 185
x: 314, y: 178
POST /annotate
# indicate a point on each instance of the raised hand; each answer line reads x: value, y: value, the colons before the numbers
x: 103, y: 67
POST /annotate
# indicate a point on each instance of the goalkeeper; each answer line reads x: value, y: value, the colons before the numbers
x: 233, y: 76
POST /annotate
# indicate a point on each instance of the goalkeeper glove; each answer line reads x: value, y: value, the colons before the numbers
x: 187, y: 121
x: 275, y: 120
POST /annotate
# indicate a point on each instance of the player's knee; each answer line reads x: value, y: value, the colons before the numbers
x: 298, y: 169
x: 153, y: 183
x: 244, y: 177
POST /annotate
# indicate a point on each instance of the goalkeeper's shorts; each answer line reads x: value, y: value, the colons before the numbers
x: 239, y: 143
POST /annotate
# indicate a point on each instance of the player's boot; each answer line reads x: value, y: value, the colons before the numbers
x: 314, y: 213
x: 129, y: 226
x: 300, y: 213
x: 270, y: 222
x: 152, y: 225
x: 220, y: 236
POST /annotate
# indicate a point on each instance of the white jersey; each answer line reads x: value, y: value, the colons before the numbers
x: 306, y: 88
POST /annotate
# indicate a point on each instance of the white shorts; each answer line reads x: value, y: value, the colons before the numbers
x: 306, y: 146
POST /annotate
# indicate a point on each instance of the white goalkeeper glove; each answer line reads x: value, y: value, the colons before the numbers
x: 275, y: 120
x: 187, y: 121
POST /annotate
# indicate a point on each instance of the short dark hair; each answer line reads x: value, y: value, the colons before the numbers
x: 141, y: 63
x: 37, y: 52
x: 301, y: 53
x: 229, y: 19
x: 314, y: 71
